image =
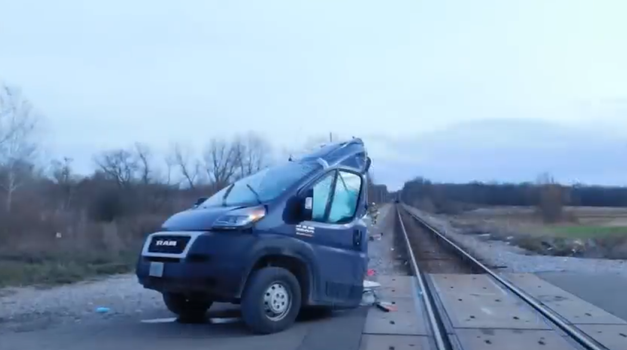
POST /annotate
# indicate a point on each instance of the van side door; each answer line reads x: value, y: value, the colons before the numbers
x: 336, y: 234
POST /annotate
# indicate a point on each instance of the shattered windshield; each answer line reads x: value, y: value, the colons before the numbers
x: 262, y: 186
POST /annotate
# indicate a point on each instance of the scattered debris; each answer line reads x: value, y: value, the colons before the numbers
x: 386, y: 306
x: 102, y: 310
x: 368, y: 298
x: 371, y: 272
x: 371, y: 285
x: 375, y: 237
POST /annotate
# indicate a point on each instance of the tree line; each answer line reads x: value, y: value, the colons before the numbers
x: 545, y: 193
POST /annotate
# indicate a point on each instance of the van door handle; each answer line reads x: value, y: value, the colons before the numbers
x: 357, y: 236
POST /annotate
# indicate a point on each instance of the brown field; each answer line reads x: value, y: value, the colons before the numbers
x: 584, y: 231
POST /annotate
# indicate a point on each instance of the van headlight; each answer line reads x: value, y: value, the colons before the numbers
x: 239, y: 218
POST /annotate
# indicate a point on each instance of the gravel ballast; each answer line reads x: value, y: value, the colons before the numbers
x: 514, y: 259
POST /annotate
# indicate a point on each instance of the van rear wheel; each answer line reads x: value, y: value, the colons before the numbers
x: 271, y: 300
x: 188, y: 309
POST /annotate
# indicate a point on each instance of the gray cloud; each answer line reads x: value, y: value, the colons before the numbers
x: 107, y: 74
x: 507, y: 150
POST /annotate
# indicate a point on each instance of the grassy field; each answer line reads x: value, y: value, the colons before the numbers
x: 584, y: 231
x: 47, y: 271
x: 87, y: 251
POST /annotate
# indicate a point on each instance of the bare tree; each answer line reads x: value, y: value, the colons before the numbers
x: 254, y: 154
x: 189, y: 168
x: 17, y: 146
x: 63, y: 176
x: 551, y: 201
x: 170, y: 163
x: 119, y: 165
x: 221, y: 161
x: 143, y: 155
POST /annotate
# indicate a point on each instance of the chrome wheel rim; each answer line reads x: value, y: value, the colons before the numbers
x: 277, y: 301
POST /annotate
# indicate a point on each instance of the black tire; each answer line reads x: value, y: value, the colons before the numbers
x: 315, y: 312
x: 260, y: 297
x: 188, y: 309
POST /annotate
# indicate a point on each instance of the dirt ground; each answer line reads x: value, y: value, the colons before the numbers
x: 584, y: 231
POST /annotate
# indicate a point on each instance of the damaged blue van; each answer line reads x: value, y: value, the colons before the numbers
x: 287, y: 238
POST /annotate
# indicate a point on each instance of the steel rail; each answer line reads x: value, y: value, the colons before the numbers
x: 441, y: 340
x: 573, y: 332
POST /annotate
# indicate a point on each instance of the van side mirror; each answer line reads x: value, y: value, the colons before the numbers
x: 306, y: 205
x: 368, y: 164
x: 199, y: 201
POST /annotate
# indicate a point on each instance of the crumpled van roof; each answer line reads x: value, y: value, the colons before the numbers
x: 351, y: 154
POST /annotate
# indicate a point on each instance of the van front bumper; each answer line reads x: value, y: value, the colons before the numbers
x: 218, y: 280
x: 213, y: 264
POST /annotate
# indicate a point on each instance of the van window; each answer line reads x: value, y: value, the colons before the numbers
x: 344, y: 200
x: 321, y: 193
x: 345, y: 197
x: 268, y: 183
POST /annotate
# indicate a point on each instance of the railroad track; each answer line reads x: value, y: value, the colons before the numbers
x: 430, y: 252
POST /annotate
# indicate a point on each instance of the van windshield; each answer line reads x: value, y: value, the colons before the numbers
x: 263, y: 186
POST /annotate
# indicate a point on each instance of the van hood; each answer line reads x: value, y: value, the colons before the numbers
x: 198, y: 219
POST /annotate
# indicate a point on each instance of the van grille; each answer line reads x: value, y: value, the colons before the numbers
x: 173, y: 244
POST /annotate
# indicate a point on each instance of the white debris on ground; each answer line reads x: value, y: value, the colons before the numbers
x: 509, y: 258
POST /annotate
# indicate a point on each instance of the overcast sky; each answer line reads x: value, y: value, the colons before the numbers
x: 453, y: 90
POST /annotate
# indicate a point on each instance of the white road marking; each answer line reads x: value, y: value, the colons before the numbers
x: 160, y: 320
x: 225, y: 320
x: 216, y: 320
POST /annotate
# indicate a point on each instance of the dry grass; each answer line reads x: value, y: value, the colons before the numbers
x: 585, y: 231
x: 83, y: 249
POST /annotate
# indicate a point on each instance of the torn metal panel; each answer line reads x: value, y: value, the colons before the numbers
x: 501, y: 339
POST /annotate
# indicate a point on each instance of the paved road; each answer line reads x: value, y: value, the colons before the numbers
x: 341, y: 331
x: 604, y: 290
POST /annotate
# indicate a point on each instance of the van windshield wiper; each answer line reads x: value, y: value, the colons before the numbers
x: 254, y: 192
x: 226, y: 194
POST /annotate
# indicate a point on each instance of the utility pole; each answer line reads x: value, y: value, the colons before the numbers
x: 330, y: 137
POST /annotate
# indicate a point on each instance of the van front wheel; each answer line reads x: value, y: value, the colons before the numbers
x: 271, y: 300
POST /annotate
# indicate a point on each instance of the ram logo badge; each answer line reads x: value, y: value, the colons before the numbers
x: 166, y: 243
